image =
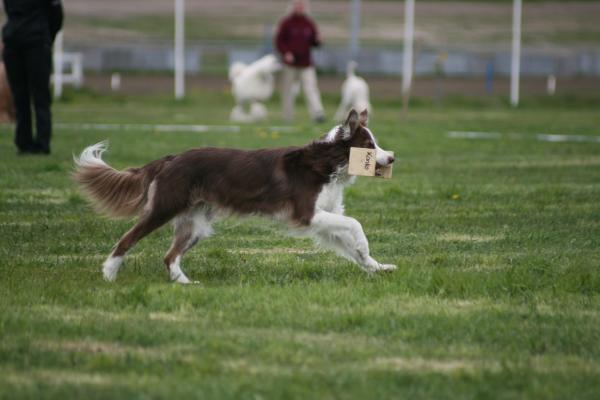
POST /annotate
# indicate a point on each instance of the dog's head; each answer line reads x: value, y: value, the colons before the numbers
x: 235, y: 70
x: 355, y: 133
x: 268, y: 64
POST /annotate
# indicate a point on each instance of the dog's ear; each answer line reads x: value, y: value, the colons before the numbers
x: 364, y: 117
x: 352, y: 122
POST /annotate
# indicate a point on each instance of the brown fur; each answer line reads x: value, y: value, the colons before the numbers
x: 256, y: 181
x: 117, y: 193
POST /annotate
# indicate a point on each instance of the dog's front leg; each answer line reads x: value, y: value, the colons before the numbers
x: 346, y: 236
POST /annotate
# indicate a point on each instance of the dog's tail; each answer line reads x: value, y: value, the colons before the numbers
x: 351, y: 68
x: 113, y: 193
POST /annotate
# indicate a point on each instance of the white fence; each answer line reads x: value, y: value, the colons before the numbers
x: 372, y: 61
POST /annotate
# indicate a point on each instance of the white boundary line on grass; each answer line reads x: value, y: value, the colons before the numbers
x: 474, y: 135
x: 542, y: 137
x: 168, y: 128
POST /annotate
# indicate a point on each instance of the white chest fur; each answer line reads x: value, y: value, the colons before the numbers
x: 331, y: 198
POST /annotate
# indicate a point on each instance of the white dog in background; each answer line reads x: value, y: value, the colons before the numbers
x: 355, y: 93
x: 251, y: 85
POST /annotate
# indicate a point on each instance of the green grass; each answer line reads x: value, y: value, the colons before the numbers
x: 496, y: 293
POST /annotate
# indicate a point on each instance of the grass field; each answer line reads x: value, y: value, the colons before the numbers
x: 496, y: 293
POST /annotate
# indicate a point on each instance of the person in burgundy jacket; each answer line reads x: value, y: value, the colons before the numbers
x: 296, y: 35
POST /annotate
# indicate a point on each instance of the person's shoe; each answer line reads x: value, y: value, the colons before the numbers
x: 23, y: 151
x: 41, y: 149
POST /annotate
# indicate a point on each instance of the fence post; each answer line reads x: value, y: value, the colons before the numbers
x: 355, y: 30
x: 516, y: 53
x: 407, y: 56
x: 179, y: 49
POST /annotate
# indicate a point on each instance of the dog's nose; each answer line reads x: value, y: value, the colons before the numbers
x: 390, y: 159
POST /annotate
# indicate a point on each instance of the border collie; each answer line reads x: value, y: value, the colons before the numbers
x: 251, y: 85
x: 355, y: 93
x: 302, y: 186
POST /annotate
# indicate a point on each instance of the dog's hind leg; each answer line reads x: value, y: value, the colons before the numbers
x: 147, y: 223
x: 345, y: 236
x: 155, y: 215
x: 190, y: 227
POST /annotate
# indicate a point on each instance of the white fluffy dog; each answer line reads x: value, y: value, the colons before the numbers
x: 251, y: 85
x: 355, y: 93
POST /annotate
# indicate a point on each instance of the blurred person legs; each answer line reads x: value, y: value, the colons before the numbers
x: 14, y: 62
x: 40, y: 61
x: 28, y: 71
x: 312, y: 95
x: 289, y: 75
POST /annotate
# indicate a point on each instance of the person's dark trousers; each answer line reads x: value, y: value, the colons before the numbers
x: 28, y: 70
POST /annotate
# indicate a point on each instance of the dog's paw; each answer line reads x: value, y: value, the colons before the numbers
x: 109, y: 276
x: 189, y: 283
x: 181, y: 278
x: 110, y: 268
x: 178, y: 276
x: 386, y: 267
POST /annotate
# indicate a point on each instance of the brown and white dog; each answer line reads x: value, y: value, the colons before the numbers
x: 302, y: 186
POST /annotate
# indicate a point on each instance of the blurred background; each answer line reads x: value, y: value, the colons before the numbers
x: 460, y: 48
x: 467, y: 44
